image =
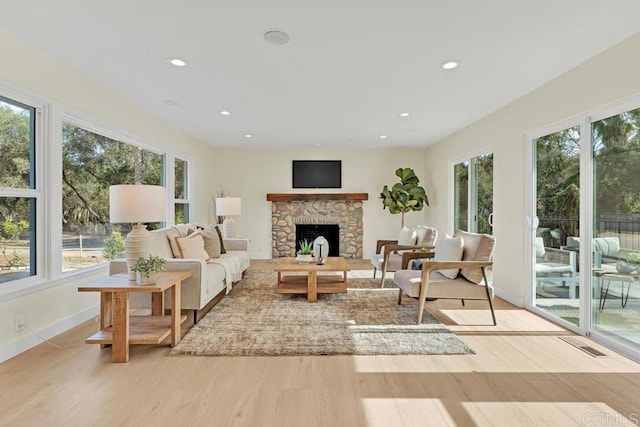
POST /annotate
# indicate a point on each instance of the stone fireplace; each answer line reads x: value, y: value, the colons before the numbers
x: 343, y: 210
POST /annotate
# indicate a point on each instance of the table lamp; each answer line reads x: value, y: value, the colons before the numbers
x: 228, y: 207
x: 136, y: 204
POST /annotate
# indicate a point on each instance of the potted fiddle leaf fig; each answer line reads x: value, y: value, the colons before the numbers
x: 147, y: 269
x: 406, y: 195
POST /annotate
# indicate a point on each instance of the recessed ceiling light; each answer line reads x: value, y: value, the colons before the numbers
x: 172, y: 102
x: 383, y: 136
x: 248, y: 135
x: 405, y: 114
x: 225, y: 113
x: 317, y: 144
x: 450, y: 65
x: 276, y: 37
x: 177, y: 62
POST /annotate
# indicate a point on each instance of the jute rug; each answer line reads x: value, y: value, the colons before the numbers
x: 255, y: 321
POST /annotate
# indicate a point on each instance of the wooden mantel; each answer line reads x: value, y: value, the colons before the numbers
x: 287, y: 197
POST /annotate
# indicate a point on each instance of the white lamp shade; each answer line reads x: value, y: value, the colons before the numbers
x: 228, y: 206
x: 137, y: 203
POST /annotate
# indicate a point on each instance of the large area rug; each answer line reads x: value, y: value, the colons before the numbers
x: 255, y: 321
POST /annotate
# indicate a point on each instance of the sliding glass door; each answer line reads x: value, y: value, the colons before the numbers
x: 557, y: 211
x: 584, y: 217
x: 473, y: 194
x: 616, y: 227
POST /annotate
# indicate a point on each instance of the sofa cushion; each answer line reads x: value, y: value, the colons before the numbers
x: 540, y: 251
x: 192, y: 246
x: 477, y: 247
x: 449, y: 249
x: 160, y: 246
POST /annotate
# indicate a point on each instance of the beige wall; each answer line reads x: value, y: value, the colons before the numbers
x: 251, y: 174
x: 606, y: 78
x: 27, y: 70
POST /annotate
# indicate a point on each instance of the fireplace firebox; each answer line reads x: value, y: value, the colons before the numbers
x: 309, y: 232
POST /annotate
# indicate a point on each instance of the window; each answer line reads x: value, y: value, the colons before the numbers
x: 91, y: 163
x: 19, y: 195
x: 181, y: 195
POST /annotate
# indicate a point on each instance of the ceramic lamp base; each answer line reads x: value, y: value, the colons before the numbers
x: 137, y: 244
x: 229, y: 228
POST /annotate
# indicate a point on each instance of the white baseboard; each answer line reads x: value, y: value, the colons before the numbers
x: 259, y: 255
x: 30, y: 340
x: 517, y: 300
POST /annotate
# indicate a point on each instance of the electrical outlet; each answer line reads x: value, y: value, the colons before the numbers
x: 18, y: 322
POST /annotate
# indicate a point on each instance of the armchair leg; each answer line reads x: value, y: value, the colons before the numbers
x: 486, y: 288
x: 420, y: 310
x: 399, y: 296
x: 462, y: 302
x: 374, y: 272
x: 384, y: 273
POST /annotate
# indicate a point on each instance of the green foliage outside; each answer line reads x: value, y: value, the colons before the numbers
x: 11, y: 229
x: 616, y: 184
x: 92, y: 163
x: 406, y: 195
x: 113, y: 245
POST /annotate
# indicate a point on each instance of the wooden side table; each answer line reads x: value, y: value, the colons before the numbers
x: 118, y: 329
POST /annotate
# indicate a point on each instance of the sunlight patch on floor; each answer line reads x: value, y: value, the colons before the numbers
x: 547, y: 414
x: 466, y: 318
x: 407, y: 412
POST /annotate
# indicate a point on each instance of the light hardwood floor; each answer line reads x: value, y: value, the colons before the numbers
x: 522, y: 375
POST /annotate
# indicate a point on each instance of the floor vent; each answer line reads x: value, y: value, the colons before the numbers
x: 576, y: 342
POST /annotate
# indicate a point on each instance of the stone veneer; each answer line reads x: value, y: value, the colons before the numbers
x: 345, y: 213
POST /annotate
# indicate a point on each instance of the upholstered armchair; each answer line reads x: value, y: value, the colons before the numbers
x: 462, y: 276
x: 388, y: 256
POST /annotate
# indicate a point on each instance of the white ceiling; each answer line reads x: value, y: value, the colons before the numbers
x: 350, y: 67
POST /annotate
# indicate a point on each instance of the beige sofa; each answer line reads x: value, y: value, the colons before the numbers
x: 208, y: 278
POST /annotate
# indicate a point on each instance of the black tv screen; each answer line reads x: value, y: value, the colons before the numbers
x: 317, y: 173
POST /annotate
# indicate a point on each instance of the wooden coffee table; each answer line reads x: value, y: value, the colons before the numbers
x: 118, y: 329
x: 303, y: 278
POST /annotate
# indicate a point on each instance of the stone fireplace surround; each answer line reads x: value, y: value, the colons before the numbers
x: 343, y: 209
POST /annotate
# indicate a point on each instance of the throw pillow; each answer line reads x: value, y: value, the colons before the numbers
x: 212, y: 242
x: 192, y: 246
x: 172, y: 234
x: 449, y: 249
x: 426, y: 236
x: 407, y: 236
x: 222, y: 250
x: 477, y: 247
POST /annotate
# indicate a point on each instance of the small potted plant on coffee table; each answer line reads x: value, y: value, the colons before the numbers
x: 304, y: 254
x: 147, y: 269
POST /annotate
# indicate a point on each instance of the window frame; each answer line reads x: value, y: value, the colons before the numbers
x: 38, y: 169
x: 50, y: 117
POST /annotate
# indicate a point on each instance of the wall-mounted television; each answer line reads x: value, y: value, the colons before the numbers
x: 317, y: 173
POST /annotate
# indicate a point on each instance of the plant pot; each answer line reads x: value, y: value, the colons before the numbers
x: 304, y: 258
x: 141, y: 279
